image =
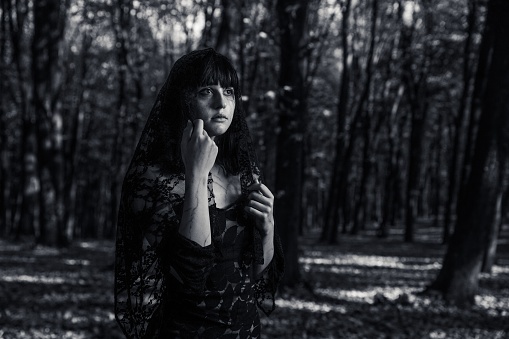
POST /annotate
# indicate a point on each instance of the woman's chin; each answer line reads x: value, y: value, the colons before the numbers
x: 216, y: 130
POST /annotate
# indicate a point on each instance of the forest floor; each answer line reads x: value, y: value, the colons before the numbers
x: 363, y: 287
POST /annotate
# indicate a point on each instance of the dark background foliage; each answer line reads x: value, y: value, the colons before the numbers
x: 380, y: 119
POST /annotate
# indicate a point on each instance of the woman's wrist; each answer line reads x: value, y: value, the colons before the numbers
x: 268, y: 251
x: 267, y: 235
x: 267, y: 231
x: 195, y: 224
x: 196, y: 179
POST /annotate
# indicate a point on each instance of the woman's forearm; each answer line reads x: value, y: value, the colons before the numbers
x: 195, y: 223
x: 268, y: 252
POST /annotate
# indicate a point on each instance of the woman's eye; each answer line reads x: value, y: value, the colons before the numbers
x: 205, y: 91
x: 229, y: 92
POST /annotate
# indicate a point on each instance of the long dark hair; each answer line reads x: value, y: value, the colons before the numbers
x: 194, y: 70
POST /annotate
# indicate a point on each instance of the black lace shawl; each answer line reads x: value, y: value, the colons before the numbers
x: 153, y: 190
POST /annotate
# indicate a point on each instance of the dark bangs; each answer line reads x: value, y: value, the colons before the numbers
x: 217, y: 69
x: 207, y: 67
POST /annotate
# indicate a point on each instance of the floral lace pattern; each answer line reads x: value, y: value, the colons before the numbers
x: 151, y: 256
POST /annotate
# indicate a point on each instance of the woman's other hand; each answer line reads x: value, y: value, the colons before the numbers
x: 260, y: 206
x: 198, y: 150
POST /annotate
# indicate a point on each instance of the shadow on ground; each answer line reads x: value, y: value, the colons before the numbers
x: 363, y: 287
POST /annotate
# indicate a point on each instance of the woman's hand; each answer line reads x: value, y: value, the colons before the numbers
x: 198, y: 150
x: 261, y: 205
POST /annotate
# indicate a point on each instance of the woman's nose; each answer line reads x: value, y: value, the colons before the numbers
x: 220, y: 101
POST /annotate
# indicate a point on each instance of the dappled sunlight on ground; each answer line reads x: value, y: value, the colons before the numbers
x: 371, y: 289
x: 363, y: 287
x: 366, y: 296
x: 31, y: 279
x: 373, y: 261
x: 497, y: 269
x: 494, y: 305
x: 312, y: 306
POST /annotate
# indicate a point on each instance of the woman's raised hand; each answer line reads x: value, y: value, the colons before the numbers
x: 198, y: 150
x: 260, y: 206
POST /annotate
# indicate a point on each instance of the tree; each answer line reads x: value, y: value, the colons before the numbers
x: 416, y: 93
x: 49, y: 23
x: 459, y: 277
x: 224, y: 35
x: 361, y: 203
x: 339, y: 174
x: 122, y: 28
x: 459, y: 120
x: 16, y: 95
x: 292, y: 106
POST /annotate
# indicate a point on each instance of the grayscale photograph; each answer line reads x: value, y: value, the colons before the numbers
x: 264, y: 169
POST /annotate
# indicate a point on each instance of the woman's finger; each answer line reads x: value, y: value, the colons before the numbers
x: 198, y: 127
x: 256, y: 213
x: 259, y: 206
x: 188, y: 131
x: 264, y: 190
x: 257, y: 196
x: 205, y: 133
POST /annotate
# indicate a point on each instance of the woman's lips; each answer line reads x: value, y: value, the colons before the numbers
x: 220, y: 117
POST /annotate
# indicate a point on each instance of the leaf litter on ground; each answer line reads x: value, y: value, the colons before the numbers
x: 362, y: 287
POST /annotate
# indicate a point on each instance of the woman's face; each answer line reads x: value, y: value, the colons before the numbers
x: 215, y: 105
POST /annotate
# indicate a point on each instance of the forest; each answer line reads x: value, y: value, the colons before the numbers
x: 382, y: 127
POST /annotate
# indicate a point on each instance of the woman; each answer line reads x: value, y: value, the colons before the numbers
x: 196, y: 250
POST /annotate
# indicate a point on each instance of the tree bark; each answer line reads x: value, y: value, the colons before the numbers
x: 497, y: 177
x: 18, y: 90
x: 209, y: 7
x: 292, y: 105
x: 224, y: 36
x: 459, y: 122
x: 361, y: 203
x: 334, y: 201
x: 122, y: 27
x: 74, y: 146
x: 4, y: 154
x: 49, y: 23
x: 416, y: 96
x: 458, y: 279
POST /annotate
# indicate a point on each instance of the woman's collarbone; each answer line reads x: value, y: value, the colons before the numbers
x: 226, y: 188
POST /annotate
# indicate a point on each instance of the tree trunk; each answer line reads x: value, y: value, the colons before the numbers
x: 73, y: 150
x: 500, y: 179
x: 493, y: 214
x: 18, y: 90
x: 458, y: 279
x: 361, y: 203
x: 334, y: 201
x: 292, y: 104
x: 5, y: 170
x: 416, y: 93
x: 391, y: 177
x: 459, y: 123
x: 209, y: 9
x: 122, y: 34
x: 49, y: 22
x: 437, y: 163
x: 224, y: 36
x: 4, y: 155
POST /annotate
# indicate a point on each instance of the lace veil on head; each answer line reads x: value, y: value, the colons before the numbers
x: 138, y: 277
x: 160, y: 140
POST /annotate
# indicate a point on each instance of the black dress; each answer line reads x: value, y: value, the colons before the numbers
x: 220, y: 302
x: 167, y: 286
